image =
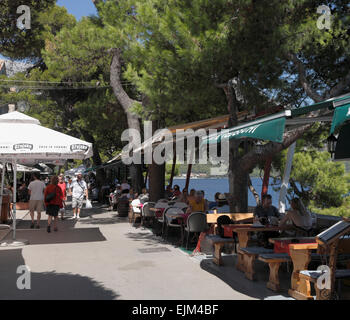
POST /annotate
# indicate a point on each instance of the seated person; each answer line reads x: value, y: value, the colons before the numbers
x: 177, y: 192
x: 261, y: 213
x: 191, y: 195
x: 132, y: 195
x: 299, y: 216
x: 144, y: 196
x: 265, y: 210
x: 123, y: 204
x: 214, y: 203
x: 183, y: 197
x: 168, y: 192
x: 198, y: 204
x: 222, y: 206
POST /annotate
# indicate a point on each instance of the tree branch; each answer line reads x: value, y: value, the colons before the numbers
x: 302, y: 78
x: 340, y: 87
x: 123, y: 98
x: 253, y: 191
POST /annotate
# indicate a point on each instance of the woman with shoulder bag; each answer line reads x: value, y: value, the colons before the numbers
x: 53, y: 200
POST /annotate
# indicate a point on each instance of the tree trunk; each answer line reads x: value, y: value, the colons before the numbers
x: 238, y: 179
x: 127, y: 104
x: 156, y: 175
x: 137, y: 180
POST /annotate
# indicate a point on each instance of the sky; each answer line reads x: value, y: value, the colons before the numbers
x: 79, y: 8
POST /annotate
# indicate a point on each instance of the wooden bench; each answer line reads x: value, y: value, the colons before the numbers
x: 311, y: 276
x: 219, y: 243
x: 274, y: 261
x: 332, y: 242
x: 249, y: 256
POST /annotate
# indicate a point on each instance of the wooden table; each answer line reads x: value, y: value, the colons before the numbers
x: 273, y: 240
x: 244, y: 233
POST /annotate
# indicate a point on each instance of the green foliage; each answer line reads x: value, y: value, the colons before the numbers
x: 18, y: 43
x: 317, y: 180
x: 341, y: 211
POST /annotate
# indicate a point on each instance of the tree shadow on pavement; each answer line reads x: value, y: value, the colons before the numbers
x: 47, y: 285
x: 104, y: 221
x: 62, y: 236
x: 238, y: 282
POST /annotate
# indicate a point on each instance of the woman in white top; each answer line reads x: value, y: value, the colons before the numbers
x: 298, y: 215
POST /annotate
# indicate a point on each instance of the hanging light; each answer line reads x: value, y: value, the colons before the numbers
x: 331, y: 144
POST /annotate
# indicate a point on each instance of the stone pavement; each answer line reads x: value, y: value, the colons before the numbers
x: 5, y: 230
x: 102, y: 256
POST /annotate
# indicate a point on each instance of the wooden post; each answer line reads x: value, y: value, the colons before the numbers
x: 189, y: 168
x: 188, y: 176
x: 266, y: 180
x: 285, y: 181
x: 172, y: 171
x: 146, y: 176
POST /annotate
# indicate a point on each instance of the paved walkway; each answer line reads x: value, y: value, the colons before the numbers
x: 102, y: 256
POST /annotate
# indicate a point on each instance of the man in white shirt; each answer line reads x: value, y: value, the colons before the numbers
x: 78, y: 189
x: 36, y: 202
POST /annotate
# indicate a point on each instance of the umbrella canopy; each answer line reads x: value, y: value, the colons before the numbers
x: 22, y: 137
x: 21, y: 168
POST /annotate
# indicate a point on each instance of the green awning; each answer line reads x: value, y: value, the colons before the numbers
x: 330, y: 104
x: 342, y: 150
x: 341, y: 114
x: 268, y: 128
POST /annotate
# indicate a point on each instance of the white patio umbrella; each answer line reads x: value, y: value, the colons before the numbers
x: 23, y: 138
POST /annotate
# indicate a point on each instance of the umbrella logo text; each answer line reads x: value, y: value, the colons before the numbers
x: 22, y: 147
x: 79, y: 147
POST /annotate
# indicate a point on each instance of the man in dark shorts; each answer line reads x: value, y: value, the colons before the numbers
x: 54, y: 192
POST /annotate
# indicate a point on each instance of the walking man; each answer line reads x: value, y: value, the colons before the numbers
x: 78, y: 189
x: 62, y: 185
x: 36, y: 202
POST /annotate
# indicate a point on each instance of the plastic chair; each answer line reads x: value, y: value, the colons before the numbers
x: 146, y: 212
x: 169, y: 221
x: 181, y: 205
x: 196, y: 223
